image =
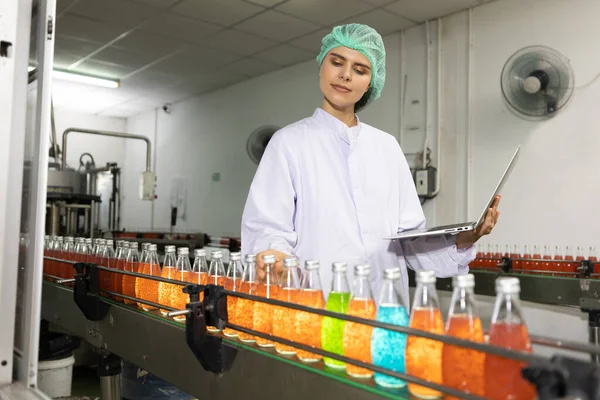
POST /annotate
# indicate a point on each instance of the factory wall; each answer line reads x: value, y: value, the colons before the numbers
x: 551, y: 197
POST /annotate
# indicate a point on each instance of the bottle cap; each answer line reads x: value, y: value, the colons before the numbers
x: 170, y: 249
x: 250, y: 258
x: 290, y: 262
x: 508, y: 285
x: 339, y: 267
x: 145, y: 246
x: 269, y: 259
x: 183, y: 251
x: 362, y: 270
x: 109, y: 242
x: 133, y: 245
x: 463, y: 281
x: 235, y: 256
x: 391, y: 273
x: 311, y: 265
x: 426, y: 277
x: 199, y: 253
x: 216, y: 254
x: 152, y: 247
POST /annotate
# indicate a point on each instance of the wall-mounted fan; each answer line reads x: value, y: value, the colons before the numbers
x: 258, y: 140
x: 537, y: 81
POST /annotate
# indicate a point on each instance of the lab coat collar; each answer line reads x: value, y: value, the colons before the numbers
x: 336, y: 126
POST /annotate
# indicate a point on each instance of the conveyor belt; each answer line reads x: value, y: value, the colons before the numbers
x: 158, y: 345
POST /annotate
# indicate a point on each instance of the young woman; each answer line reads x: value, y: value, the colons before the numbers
x: 330, y: 187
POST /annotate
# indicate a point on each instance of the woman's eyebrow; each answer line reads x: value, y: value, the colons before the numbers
x: 345, y: 59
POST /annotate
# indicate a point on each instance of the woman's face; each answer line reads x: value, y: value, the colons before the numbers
x: 344, y: 77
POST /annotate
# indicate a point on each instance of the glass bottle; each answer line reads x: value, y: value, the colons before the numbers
x: 388, y: 347
x: 424, y: 356
x: 46, y: 263
x: 594, y: 260
x: 117, y: 282
x: 147, y: 289
x: 68, y: 253
x: 88, y: 252
x: 284, y: 318
x: 546, y: 265
x: 463, y: 369
x: 263, y: 312
x: 526, y: 264
x: 332, y: 330
x: 183, y: 272
x: 245, y: 307
x: 233, y: 282
x: 503, y: 380
x: 308, y: 326
x: 57, y: 268
x: 357, y: 337
x: 569, y: 264
x: 97, y: 259
x: 558, y: 260
x: 216, y: 276
x: 107, y: 259
x: 144, y: 253
x: 167, y: 272
x: 131, y: 265
x: 516, y: 255
x: 200, y: 268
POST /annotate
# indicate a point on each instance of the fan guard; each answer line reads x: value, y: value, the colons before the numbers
x: 537, y: 81
x: 258, y: 140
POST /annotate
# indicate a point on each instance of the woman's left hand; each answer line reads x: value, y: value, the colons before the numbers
x: 467, y: 239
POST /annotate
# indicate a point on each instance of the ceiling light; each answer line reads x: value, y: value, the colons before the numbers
x: 90, y: 80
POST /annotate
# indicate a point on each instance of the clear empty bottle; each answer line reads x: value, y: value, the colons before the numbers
x: 308, y: 326
x: 388, y: 347
x: 147, y: 289
x: 131, y: 265
x: 245, y: 307
x: 168, y: 272
x: 183, y: 272
x: 357, y: 337
x: 462, y: 368
x: 284, y: 318
x: 263, y: 312
x: 332, y: 330
x: 216, y: 275
x: 233, y: 282
x: 424, y: 356
x: 503, y: 379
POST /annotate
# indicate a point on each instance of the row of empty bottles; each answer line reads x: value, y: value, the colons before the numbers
x: 533, y: 260
x: 460, y: 368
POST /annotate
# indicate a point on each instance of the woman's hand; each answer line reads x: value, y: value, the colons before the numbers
x: 467, y: 239
x: 261, y: 274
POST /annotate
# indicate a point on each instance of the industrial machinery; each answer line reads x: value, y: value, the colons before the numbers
x: 85, y: 201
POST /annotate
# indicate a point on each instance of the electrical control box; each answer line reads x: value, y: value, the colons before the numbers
x: 425, y: 181
x: 147, y: 186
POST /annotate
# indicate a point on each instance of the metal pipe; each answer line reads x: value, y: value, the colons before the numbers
x: 135, y: 299
x: 110, y: 387
x: 106, y: 133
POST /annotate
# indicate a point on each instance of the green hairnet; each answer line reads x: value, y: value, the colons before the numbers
x: 366, y: 40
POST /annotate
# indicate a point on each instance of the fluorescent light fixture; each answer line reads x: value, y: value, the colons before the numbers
x: 90, y: 80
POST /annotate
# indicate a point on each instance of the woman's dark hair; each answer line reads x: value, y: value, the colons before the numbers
x: 362, y: 103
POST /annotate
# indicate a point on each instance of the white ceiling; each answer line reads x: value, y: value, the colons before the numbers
x: 163, y: 51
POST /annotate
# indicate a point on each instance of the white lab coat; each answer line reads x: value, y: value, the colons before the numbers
x: 327, y: 192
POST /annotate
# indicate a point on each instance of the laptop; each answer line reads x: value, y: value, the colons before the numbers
x: 461, y: 227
